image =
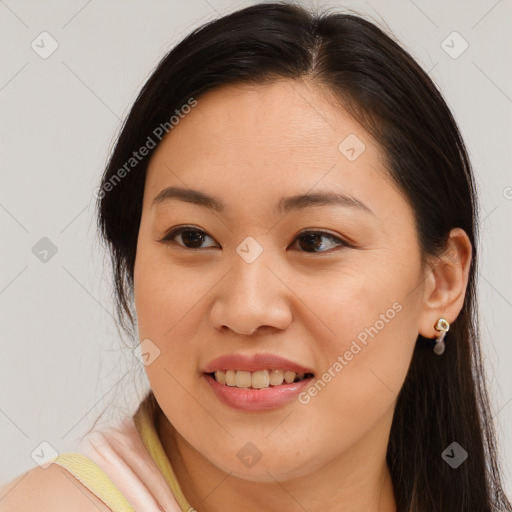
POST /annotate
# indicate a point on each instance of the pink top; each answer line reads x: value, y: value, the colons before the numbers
x: 137, y: 475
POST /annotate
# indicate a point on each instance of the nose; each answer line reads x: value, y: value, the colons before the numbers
x: 251, y: 296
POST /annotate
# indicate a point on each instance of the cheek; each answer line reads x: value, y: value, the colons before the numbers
x: 166, y: 296
x: 374, y: 297
x: 168, y: 306
x: 358, y: 388
x: 374, y: 317
x: 169, y: 311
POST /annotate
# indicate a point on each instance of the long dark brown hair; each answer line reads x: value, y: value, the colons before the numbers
x: 443, y: 399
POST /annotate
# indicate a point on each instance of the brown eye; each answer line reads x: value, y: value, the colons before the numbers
x: 315, y: 241
x: 190, y: 238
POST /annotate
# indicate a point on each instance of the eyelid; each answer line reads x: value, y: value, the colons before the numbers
x: 345, y: 240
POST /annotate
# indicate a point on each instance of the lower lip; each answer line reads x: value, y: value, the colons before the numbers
x: 248, y: 399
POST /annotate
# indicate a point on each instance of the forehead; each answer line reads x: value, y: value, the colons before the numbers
x: 260, y: 140
x: 276, y: 116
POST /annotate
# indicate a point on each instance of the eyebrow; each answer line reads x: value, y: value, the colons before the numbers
x: 284, y: 205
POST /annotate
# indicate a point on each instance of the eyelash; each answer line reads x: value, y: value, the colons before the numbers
x: 168, y: 238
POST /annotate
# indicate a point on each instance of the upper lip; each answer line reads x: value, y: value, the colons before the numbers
x: 254, y: 363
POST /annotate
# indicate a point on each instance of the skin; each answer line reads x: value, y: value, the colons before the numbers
x: 249, y: 146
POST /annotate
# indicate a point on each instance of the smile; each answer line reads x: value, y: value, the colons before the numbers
x: 255, y: 382
x: 258, y: 380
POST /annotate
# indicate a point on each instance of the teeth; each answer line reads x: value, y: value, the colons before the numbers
x: 230, y: 378
x: 243, y: 379
x: 289, y: 377
x: 257, y: 380
x: 220, y: 377
x: 276, y: 377
x: 260, y: 379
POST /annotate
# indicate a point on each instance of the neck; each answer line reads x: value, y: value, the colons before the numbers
x: 360, y: 480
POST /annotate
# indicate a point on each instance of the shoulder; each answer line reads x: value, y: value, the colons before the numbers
x: 51, y: 489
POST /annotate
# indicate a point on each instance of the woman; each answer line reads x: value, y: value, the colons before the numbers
x: 292, y: 219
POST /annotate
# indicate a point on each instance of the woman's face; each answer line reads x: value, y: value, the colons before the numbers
x: 246, y: 282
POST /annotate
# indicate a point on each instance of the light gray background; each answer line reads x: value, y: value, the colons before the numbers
x: 62, y: 361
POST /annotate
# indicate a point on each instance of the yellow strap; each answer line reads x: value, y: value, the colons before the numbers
x: 95, y: 479
x: 144, y: 420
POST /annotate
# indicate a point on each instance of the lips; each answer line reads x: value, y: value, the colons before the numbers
x: 254, y: 363
x: 256, y: 383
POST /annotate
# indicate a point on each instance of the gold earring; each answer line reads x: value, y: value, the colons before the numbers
x: 443, y: 327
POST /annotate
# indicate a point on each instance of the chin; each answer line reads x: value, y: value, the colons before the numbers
x: 267, y: 469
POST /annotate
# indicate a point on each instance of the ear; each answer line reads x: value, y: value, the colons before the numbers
x: 446, y: 281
